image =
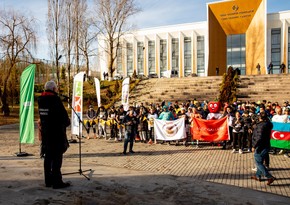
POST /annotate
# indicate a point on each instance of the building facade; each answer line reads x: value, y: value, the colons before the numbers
x: 237, y: 33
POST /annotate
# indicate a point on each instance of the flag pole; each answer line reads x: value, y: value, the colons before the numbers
x: 26, y: 111
x: 20, y: 153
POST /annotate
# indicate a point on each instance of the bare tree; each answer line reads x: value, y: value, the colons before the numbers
x: 80, y: 8
x: 68, y: 37
x: 87, y: 38
x: 54, y: 22
x: 17, y: 39
x: 112, y: 16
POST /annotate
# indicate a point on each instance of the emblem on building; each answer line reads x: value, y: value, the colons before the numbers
x: 235, y: 7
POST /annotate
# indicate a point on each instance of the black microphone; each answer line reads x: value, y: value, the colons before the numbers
x: 65, y: 97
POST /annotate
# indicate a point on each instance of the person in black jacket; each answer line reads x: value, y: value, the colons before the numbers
x: 53, y: 121
x: 261, y: 146
x: 130, y: 122
x: 91, y: 115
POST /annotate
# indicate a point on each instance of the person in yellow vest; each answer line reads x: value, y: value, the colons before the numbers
x: 91, y: 115
x: 102, y: 118
x: 112, y: 113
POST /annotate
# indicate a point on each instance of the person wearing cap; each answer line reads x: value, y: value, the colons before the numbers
x: 119, y: 118
x: 91, y: 115
x: 261, y: 146
x: 166, y: 115
x: 53, y: 120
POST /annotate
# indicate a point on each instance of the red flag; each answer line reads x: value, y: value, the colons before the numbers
x: 210, y: 130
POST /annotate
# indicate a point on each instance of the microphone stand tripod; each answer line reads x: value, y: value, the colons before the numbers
x: 81, y: 172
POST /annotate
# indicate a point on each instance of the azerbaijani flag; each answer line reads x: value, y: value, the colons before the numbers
x: 280, y: 137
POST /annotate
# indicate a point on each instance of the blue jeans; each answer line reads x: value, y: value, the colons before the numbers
x: 129, y: 137
x: 259, y: 159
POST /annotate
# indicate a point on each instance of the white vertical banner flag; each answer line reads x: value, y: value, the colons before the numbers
x: 169, y: 130
x: 98, y: 91
x: 125, y: 93
x: 77, y: 103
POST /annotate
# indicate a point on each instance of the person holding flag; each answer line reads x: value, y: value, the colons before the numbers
x: 166, y: 115
x: 53, y: 122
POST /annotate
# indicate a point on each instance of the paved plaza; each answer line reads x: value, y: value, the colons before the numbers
x: 207, y: 163
x: 172, y: 174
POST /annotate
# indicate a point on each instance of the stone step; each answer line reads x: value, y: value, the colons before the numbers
x: 252, y: 88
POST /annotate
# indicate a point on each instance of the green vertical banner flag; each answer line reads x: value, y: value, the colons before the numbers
x: 26, y: 112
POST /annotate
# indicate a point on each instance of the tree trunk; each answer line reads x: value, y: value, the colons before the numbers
x: 5, y: 107
x: 88, y: 64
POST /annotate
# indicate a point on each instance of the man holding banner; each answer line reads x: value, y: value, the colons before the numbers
x: 53, y: 120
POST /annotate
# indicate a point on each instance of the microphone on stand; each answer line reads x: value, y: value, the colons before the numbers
x: 64, y: 97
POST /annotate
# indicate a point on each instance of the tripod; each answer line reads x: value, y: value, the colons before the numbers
x: 81, y: 172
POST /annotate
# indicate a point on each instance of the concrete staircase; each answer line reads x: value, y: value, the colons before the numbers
x: 252, y: 88
x: 264, y: 87
x: 181, y: 89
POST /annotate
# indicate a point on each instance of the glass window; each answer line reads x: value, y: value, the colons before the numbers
x: 236, y: 52
x: 129, y: 59
x: 163, y: 57
x: 140, y: 58
x: 200, y: 56
x: 119, y: 60
x: 175, y: 56
x: 276, y: 49
x: 187, y: 56
x: 151, y: 57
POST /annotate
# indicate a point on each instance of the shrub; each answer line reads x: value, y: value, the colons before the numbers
x: 228, y: 89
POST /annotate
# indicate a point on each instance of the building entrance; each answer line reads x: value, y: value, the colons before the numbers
x: 236, y: 52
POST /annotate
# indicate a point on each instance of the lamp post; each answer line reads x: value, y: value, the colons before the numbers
x: 57, y: 68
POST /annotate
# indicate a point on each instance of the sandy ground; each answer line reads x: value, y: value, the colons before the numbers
x: 21, y: 182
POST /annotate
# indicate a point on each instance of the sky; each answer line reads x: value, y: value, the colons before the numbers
x: 153, y: 13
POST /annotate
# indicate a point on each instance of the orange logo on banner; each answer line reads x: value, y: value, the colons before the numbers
x: 210, y: 130
x: 78, y: 104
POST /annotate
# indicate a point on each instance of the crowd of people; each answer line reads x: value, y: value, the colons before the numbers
x: 242, y: 119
